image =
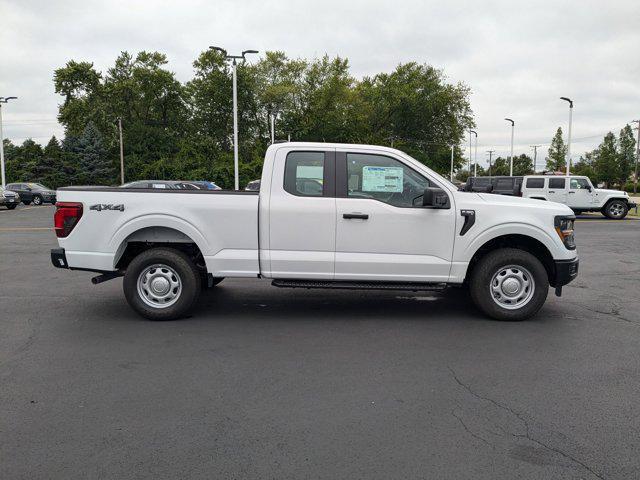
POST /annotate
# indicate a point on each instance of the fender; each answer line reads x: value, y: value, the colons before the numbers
x: 117, y: 240
x: 553, y: 245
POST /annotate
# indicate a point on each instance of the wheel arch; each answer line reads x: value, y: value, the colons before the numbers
x: 514, y: 240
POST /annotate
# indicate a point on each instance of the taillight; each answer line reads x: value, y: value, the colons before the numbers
x: 66, y: 217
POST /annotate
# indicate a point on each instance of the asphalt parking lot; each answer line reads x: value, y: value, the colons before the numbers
x: 269, y: 383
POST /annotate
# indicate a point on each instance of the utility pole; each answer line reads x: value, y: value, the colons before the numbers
x: 635, y: 174
x: 3, y: 100
x: 235, y: 106
x: 535, y: 156
x: 476, y: 154
x: 490, y: 152
x: 511, y: 160
x: 273, y: 128
x: 569, y: 135
x: 451, y: 175
x: 121, y: 152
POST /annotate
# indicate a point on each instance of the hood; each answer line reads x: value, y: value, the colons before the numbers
x: 605, y: 191
x: 522, y: 202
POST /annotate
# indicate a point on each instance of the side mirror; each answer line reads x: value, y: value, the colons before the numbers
x: 589, y: 188
x: 435, y: 197
x: 28, y: 189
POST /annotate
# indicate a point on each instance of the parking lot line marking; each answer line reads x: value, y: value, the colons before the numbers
x: 19, y: 229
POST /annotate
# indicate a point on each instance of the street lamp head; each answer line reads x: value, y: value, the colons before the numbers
x: 567, y: 100
x: 249, y: 51
x: 509, y: 120
x: 474, y: 132
x: 219, y: 49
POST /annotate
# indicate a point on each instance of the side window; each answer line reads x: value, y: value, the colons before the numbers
x: 557, y: 183
x: 504, y: 184
x: 535, y: 182
x: 578, y: 183
x: 304, y: 174
x: 385, y: 179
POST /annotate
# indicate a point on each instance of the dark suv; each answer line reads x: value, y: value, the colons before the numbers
x: 33, y: 192
x: 499, y: 185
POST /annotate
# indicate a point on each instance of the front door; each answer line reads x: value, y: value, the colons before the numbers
x: 302, y: 215
x: 382, y: 231
x: 580, y: 194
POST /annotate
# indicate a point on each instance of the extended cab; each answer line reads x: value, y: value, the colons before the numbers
x: 326, y: 216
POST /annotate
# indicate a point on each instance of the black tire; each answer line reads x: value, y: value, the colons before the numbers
x: 26, y: 202
x: 491, y: 265
x: 615, y: 209
x: 37, y: 200
x: 182, y: 266
x: 11, y: 207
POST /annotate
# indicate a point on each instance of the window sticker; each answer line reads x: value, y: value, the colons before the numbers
x: 315, y: 172
x: 382, y: 179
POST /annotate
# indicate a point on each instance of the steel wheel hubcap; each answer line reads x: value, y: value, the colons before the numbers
x: 512, y: 287
x: 159, y: 286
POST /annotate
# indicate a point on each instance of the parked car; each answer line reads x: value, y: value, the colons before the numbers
x: 381, y: 220
x: 578, y: 193
x: 9, y: 198
x: 575, y: 191
x: 499, y: 185
x: 253, y: 186
x: 33, y: 192
x: 173, y: 184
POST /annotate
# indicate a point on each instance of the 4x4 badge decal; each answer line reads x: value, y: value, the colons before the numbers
x: 102, y: 206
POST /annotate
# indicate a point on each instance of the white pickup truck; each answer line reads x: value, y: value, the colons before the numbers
x: 327, y: 216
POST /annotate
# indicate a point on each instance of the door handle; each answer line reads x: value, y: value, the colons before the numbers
x: 572, y: 192
x: 361, y: 216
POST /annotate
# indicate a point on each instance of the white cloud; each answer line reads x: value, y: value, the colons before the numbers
x: 518, y: 58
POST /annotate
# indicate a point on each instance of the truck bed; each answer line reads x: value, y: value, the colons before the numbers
x: 223, y: 225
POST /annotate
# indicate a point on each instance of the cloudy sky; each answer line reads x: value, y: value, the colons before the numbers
x: 517, y: 57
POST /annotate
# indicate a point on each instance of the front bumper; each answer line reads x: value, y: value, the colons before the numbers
x: 9, y: 200
x: 564, y: 272
x: 631, y: 204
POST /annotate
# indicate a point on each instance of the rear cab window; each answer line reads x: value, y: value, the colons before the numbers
x: 557, y: 183
x: 304, y: 174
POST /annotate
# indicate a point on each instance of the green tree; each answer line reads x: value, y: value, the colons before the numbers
x: 556, y: 160
x: 95, y: 166
x: 627, y: 154
x: 607, y: 160
x: 586, y: 166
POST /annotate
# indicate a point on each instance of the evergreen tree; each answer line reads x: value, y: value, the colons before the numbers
x: 556, y: 161
x: 606, y: 161
x: 95, y: 166
x: 627, y: 154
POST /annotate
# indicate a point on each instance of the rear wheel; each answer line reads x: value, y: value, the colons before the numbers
x: 615, y: 209
x: 161, y: 284
x: 509, y: 284
x: 11, y: 207
x: 26, y: 202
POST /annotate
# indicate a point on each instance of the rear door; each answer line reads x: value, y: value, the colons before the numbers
x: 557, y: 189
x: 302, y: 214
x: 383, y: 233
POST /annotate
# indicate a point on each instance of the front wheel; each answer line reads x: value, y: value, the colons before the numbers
x: 161, y: 284
x: 37, y: 200
x: 615, y: 209
x: 509, y: 284
x: 11, y: 207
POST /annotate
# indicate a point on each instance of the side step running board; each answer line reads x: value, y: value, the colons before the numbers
x: 355, y: 285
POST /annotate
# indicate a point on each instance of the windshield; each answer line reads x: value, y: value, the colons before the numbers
x: 38, y: 185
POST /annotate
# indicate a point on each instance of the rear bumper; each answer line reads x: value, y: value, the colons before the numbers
x: 565, y: 272
x: 58, y: 258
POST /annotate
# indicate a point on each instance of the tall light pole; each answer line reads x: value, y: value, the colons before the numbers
x: 635, y: 174
x: 569, y: 135
x: 234, y: 59
x: 475, y: 155
x: 535, y: 156
x: 3, y: 100
x: 469, y: 170
x: 121, y: 152
x: 451, y: 175
x: 490, y: 152
x: 511, y: 160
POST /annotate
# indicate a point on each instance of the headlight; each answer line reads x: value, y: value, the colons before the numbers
x: 564, y: 228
